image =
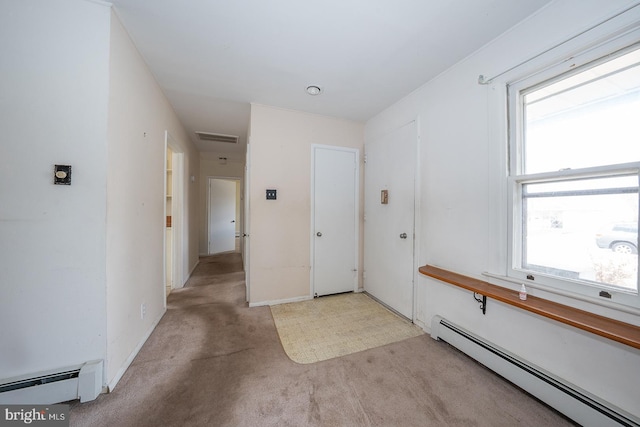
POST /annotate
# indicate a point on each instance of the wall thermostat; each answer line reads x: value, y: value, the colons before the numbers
x: 62, y: 175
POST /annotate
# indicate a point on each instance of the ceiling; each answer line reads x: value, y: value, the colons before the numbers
x: 213, y: 58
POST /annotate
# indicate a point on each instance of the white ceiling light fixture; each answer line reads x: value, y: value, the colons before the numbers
x: 314, y: 90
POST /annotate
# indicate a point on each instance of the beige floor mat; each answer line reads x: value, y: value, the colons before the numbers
x: 337, y: 325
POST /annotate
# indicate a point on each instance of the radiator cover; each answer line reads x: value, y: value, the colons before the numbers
x: 575, y: 403
x: 82, y: 382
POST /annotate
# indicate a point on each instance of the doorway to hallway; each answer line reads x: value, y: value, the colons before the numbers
x: 174, y: 215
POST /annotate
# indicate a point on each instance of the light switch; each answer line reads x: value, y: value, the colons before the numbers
x: 271, y: 194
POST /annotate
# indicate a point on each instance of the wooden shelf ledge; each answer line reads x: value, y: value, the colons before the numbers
x: 615, y: 330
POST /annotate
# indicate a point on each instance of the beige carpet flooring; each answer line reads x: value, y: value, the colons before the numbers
x: 213, y: 361
x: 337, y: 325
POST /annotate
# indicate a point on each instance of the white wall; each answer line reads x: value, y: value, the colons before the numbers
x: 461, y: 144
x: 280, y: 148
x: 139, y: 115
x: 77, y: 261
x: 53, y: 110
x: 210, y: 166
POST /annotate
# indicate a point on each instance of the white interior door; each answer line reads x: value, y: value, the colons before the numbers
x: 246, y: 217
x: 222, y: 215
x: 335, y: 220
x: 389, y: 227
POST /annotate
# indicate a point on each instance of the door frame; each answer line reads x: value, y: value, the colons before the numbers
x: 177, y: 215
x: 356, y: 218
x: 238, y: 204
x: 417, y: 223
x: 245, y: 221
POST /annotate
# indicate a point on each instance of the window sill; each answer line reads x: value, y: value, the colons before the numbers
x: 615, y: 330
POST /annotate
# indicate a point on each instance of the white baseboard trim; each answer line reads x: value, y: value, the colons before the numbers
x: 280, y: 301
x: 426, y: 328
x: 191, y: 272
x: 134, y: 353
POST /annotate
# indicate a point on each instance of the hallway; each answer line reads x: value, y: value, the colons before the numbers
x: 213, y: 361
x: 186, y: 371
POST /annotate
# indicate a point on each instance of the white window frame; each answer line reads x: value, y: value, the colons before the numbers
x: 516, y: 178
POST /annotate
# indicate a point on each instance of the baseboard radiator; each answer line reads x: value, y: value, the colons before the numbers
x: 82, y: 382
x: 577, y: 404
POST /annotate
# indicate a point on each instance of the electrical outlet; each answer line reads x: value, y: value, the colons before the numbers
x: 143, y: 310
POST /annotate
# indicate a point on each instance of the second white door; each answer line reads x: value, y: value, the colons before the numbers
x: 335, y: 220
x: 390, y: 171
x: 222, y: 215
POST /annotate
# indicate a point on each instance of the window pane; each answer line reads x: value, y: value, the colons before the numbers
x: 583, y: 229
x: 588, y: 119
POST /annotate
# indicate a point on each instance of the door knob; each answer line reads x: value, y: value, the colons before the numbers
x: 403, y: 236
x: 319, y: 234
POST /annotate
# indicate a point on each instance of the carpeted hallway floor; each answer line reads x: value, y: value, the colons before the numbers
x: 213, y: 361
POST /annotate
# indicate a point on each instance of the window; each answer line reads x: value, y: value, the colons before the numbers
x: 574, y: 176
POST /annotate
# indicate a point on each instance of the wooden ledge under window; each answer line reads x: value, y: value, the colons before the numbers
x: 615, y: 330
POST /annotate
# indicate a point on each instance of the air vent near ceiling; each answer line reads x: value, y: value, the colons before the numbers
x: 217, y: 137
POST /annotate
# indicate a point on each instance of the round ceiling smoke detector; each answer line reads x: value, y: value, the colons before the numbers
x: 314, y: 90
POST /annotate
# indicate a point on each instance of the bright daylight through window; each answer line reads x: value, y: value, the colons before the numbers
x: 575, y: 171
